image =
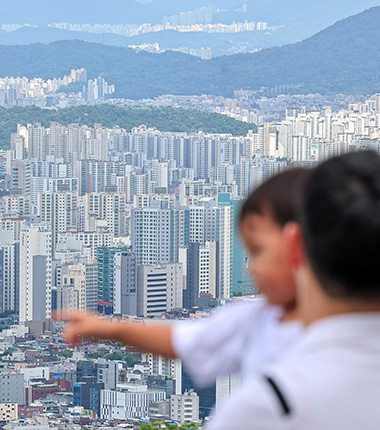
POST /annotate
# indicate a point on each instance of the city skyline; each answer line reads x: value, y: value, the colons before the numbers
x: 131, y: 135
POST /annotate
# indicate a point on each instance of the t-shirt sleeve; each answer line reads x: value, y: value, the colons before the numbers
x: 213, y: 347
x: 255, y: 406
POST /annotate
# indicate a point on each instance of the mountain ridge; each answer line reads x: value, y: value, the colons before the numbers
x: 220, y: 43
x: 298, y: 19
x: 335, y: 60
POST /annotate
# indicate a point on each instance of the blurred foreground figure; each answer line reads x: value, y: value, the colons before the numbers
x: 330, y: 380
x: 245, y: 336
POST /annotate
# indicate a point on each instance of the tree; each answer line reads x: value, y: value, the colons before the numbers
x: 9, y: 351
x: 67, y: 353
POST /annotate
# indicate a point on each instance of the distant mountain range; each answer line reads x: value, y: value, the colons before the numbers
x: 300, y: 18
x: 220, y: 44
x: 343, y: 58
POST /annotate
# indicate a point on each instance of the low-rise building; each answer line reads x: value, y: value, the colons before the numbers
x: 184, y: 407
x: 128, y: 401
x: 8, y: 411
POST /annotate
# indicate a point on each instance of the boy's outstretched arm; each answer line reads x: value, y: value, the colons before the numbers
x: 155, y: 338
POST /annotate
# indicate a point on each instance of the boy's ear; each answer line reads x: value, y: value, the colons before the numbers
x: 294, y: 243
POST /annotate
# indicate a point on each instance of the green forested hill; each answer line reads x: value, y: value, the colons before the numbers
x: 164, y: 119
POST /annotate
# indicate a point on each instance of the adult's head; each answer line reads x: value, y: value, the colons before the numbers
x: 262, y: 219
x: 341, y: 229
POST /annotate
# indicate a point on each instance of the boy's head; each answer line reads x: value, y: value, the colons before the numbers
x: 341, y: 226
x: 262, y: 219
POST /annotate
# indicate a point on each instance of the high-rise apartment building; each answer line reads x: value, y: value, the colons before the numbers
x: 108, y: 207
x: 59, y: 212
x: 56, y: 140
x: 105, y: 258
x: 170, y: 368
x: 159, y: 289
x: 92, y: 240
x: 184, y: 407
x: 65, y: 297
x: 35, y: 274
x: 208, y: 221
x: 36, y: 142
x: 17, y: 146
x: 241, y: 281
x: 83, y: 278
x: 17, y: 204
x: 125, y: 283
x: 21, y: 176
x: 9, y: 272
x: 201, y: 272
x: 224, y: 253
x: 155, y: 234
x: 13, y: 223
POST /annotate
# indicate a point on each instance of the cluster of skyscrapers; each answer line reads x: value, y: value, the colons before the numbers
x: 103, y: 213
x: 21, y: 91
x: 317, y: 135
x: 203, y: 15
x: 136, y: 224
x: 143, y: 222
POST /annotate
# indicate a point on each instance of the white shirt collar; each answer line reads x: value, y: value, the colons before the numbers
x: 350, y: 325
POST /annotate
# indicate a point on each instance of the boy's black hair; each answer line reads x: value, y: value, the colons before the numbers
x: 341, y: 225
x: 280, y: 196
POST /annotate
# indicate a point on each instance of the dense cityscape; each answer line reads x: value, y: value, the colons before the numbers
x: 24, y: 92
x: 139, y: 225
x: 92, y: 217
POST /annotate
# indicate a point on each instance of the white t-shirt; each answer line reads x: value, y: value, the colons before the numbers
x: 239, y: 339
x: 330, y: 380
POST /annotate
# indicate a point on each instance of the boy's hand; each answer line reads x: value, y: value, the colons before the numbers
x: 83, y: 325
x: 156, y: 338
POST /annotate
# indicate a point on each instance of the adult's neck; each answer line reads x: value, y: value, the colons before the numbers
x: 315, y: 304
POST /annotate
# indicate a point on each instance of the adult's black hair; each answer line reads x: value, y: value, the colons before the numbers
x: 341, y: 225
x: 279, y: 196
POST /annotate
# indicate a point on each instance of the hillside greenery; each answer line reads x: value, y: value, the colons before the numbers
x: 164, y: 119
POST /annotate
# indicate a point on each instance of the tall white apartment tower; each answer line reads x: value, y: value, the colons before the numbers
x: 155, y: 234
x: 109, y: 207
x: 9, y: 272
x: 36, y: 143
x: 35, y: 274
x: 58, y: 211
